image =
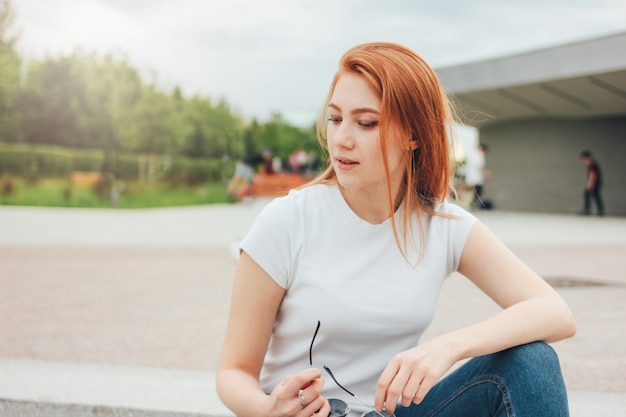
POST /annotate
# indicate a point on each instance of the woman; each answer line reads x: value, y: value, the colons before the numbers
x: 364, y: 249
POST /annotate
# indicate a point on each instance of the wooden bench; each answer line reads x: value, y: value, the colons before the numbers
x: 275, y: 185
x: 85, y: 179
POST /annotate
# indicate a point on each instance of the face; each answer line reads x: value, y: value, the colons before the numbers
x: 353, y: 138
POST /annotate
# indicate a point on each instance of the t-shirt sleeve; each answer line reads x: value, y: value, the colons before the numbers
x: 456, y: 230
x: 269, y: 241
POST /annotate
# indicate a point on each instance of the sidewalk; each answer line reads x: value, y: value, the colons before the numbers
x: 123, y: 312
x: 218, y: 225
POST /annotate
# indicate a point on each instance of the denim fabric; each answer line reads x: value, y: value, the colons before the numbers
x: 524, y: 381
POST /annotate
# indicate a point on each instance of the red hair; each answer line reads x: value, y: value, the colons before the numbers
x: 415, y: 108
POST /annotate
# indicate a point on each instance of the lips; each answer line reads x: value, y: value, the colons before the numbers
x: 346, y: 161
x: 345, y: 164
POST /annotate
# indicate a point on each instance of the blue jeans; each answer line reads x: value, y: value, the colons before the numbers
x: 524, y: 381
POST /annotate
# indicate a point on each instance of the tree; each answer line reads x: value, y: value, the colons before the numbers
x: 282, y: 138
x: 9, y: 76
x: 151, y: 129
x: 52, y: 102
x: 212, y: 131
x: 83, y: 100
x: 112, y: 91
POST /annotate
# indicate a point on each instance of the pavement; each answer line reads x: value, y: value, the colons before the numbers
x: 122, y: 312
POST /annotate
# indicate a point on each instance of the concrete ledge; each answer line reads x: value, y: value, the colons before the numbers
x: 597, y: 404
x: 40, y: 388
x: 50, y: 389
x: 9, y: 408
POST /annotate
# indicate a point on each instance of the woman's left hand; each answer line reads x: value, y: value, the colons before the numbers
x: 411, y: 374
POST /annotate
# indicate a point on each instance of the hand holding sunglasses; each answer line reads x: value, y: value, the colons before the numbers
x: 339, y: 408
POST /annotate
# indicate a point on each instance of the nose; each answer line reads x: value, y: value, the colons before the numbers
x: 340, y: 135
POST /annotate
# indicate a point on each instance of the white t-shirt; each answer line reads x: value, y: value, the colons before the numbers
x: 350, y: 275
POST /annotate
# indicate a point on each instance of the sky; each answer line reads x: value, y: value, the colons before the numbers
x: 266, y: 56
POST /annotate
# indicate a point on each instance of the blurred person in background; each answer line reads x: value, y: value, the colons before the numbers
x: 240, y: 185
x: 475, y: 175
x: 593, y: 184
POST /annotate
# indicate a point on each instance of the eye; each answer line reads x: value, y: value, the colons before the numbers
x: 368, y: 125
x: 334, y: 119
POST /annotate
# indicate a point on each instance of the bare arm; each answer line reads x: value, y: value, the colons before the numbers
x: 254, y: 305
x: 591, y: 181
x: 532, y: 311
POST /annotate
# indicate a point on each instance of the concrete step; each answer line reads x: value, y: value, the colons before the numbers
x: 41, y: 388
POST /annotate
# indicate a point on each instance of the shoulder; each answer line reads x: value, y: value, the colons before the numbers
x: 312, y: 192
x: 307, y: 196
x: 452, y: 220
x: 449, y: 231
x: 278, y: 232
x: 446, y: 209
x: 297, y: 203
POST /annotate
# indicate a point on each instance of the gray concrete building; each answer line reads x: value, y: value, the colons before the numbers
x: 536, y: 111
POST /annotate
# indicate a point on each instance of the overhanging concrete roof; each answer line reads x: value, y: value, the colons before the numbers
x: 586, y: 79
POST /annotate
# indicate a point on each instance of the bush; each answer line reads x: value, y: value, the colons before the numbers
x: 128, y: 167
x: 45, y: 161
x: 87, y: 161
x: 102, y: 187
x: 8, y: 186
x: 60, y: 192
x: 39, y: 161
x: 194, y: 172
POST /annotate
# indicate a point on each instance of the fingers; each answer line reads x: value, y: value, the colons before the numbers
x: 427, y: 383
x: 406, y: 380
x: 401, y: 385
x: 317, y: 404
x: 384, y: 382
x: 304, y: 378
x: 411, y: 390
x: 300, y: 394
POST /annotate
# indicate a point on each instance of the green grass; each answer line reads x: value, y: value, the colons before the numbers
x: 60, y: 193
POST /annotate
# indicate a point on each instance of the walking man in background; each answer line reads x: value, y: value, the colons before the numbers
x: 475, y: 175
x: 593, y: 185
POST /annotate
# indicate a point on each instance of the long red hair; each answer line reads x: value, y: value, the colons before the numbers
x: 414, y: 107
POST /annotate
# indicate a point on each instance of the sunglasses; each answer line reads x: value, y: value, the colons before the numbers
x: 339, y: 408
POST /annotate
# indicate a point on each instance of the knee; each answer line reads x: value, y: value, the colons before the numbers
x: 540, y: 350
x: 537, y: 359
x: 536, y: 383
x: 536, y: 353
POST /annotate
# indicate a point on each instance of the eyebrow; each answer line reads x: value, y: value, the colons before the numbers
x: 360, y: 110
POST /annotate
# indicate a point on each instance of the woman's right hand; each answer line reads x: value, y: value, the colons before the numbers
x: 299, y: 395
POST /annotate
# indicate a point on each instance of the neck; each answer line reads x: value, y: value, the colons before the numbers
x: 373, y: 207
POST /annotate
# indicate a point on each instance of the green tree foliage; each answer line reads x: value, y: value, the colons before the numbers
x: 9, y: 76
x: 87, y: 100
x: 282, y: 138
x: 149, y: 123
x: 81, y: 100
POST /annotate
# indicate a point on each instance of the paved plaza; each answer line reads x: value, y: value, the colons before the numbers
x: 125, y: 310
